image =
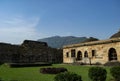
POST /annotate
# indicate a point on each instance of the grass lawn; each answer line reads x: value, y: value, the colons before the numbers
x: 33, y: 73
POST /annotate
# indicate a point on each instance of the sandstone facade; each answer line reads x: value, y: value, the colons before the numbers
x: 93, y: 52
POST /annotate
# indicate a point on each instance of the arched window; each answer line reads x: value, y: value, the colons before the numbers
x: 86, y: 54
x: 112, y: 54
x: 79, y: 55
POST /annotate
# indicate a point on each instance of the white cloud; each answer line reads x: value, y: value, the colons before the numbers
x: 17, y: 29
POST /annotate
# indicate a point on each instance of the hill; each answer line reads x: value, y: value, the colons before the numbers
x: 59, y: 42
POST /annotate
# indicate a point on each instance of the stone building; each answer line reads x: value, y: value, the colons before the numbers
x: 29, y: 52
x: 91, y: 52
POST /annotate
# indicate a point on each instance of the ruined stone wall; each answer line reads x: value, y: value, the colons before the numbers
x: 29, y: 52
x: 40, y: 52
x: 7, y: 51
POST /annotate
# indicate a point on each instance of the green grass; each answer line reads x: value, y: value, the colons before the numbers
x: 33, y: 73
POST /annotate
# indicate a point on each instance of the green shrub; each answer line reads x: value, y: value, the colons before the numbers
x: 115, y: 72
x: 52, y: 70
x: 1, y: 63
x: 116, y: 63
x: 1, y: 79
x: 28, y: 64
x: 67, y: 76
x: 97, y: 74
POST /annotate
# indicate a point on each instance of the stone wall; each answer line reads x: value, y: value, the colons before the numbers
x: 29, y: 52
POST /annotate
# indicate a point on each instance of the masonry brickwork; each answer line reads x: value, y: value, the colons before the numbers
x: 93, y: 52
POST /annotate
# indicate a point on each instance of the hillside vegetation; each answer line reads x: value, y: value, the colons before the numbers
x: 59, y: 42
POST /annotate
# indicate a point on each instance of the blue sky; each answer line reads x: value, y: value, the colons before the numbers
x: 35, y: 19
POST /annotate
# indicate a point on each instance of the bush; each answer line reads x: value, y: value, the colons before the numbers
x: 116, y: 63
x: 97, y: 74
x: 67, y: 76
x: 78, y: 63
x: 98, y: 63
x: 115, y: 72
x: 52, y: 70
x: 1, y: 63
x: 1, y: 79
x: 28, y: 64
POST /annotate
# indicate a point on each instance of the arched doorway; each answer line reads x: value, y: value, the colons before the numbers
x: 73, y: 53
x: 79, y: 55
x: 112, y: 54
x: 86, y: 54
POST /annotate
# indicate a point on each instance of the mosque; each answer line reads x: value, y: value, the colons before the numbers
x: 92, y: 52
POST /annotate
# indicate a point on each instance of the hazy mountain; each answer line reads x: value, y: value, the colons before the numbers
x: 59, y: 42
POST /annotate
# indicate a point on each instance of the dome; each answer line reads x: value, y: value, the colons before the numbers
x: 116, y: 35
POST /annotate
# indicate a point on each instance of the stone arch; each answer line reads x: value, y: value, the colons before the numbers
x: 112, y: 54
x: 79, y: 55
x: 86, y: 54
